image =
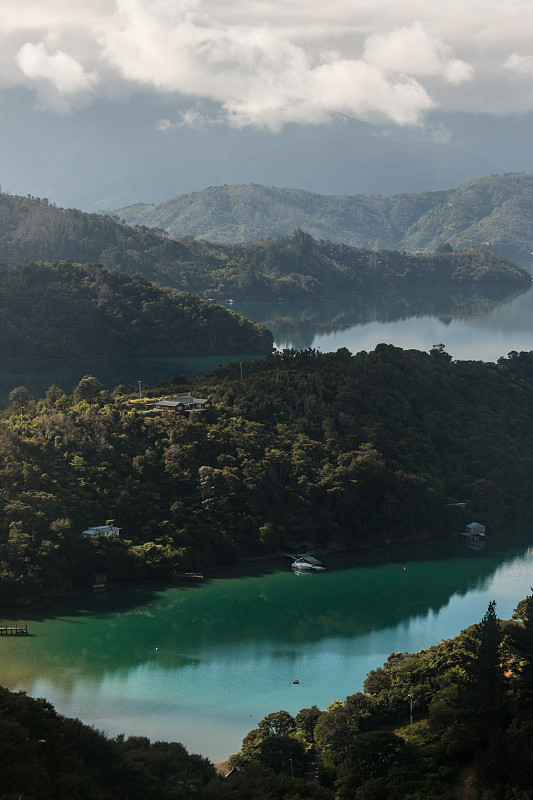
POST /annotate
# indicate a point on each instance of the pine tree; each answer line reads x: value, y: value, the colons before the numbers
x: 483, y: 697
x: 520, y: 641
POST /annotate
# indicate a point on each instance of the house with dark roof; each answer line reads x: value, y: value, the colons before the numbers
x: 182, y: 403
x: 102, y: 531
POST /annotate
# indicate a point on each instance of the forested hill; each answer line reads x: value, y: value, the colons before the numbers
x: 294, y: 267
x: 347, y: 452
x: 494, y: 212
x: 63, y: 310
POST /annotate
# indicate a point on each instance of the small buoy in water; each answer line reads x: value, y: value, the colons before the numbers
x: 404, y: 569
x: 296, y: 680
x: 156, y: 649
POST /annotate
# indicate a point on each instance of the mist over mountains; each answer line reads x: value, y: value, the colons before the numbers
x: 107, y: 156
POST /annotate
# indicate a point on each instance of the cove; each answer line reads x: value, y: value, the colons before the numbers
x: 204, y: 664
x: 471, y: 326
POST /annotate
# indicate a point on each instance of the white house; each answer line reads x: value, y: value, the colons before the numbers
x: 475, y: 529
x: 99, y: 531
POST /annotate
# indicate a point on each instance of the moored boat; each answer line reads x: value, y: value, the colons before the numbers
x: 301, y: 565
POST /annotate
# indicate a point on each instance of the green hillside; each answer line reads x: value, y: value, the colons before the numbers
x: 63, y: 310
x: 494, y: 212
x: 348, y: 452
x: 291, y: 267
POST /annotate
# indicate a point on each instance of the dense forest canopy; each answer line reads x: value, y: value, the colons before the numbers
x: 493, y: 212
x: 452, y: 722
x: 63, y: 310
x: 347, y: 452
x: 289, y: 267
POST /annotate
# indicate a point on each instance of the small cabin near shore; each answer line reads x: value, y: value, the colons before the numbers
x: 474, y: 533
x: 182, y: 403
x: 102, y: 532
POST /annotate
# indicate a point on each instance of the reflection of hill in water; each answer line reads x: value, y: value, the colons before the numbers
x: 114, y: 634
x: 297, y: 324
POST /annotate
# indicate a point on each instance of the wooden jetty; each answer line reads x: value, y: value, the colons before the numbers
x: 193, y: 577
x: 14, y: 630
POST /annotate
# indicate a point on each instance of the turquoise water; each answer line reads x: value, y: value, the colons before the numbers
x: 203, y: 664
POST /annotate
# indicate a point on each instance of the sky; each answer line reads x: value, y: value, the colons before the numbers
x: 266, y: 64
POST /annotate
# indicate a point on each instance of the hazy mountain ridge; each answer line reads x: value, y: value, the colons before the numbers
x: 290, y: 267
x: 492, y: 212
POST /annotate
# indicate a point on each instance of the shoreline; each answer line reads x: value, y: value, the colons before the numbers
x: 213, y: 572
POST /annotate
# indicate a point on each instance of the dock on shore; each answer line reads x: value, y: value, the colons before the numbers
x: 14, y: 630
x: 193, y: 577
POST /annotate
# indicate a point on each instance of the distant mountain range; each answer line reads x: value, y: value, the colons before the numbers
x: 290, y: 267
x: 495, y: 212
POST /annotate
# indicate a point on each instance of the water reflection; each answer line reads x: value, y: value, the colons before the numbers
x: 204, y: 665
x: 332, y: 322
x: 472, y: 326
x: 113, y: 633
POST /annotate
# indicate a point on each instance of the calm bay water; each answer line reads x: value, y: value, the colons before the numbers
x: 469, y: 325
x: 204, y: 664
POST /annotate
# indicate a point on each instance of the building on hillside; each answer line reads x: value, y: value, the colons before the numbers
x: 102, y: 531
x: 474, y: 535
x: 475, y: 529
x: 181, y: 403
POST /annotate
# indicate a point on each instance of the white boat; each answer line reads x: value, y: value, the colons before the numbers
x: 301, y: 565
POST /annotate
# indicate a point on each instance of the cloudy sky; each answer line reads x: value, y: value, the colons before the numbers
x: 107, y: 102
x: 265, y: 63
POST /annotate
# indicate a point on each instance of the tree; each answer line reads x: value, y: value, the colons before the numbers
x: 279, y: 723
x: 87, y: 388
x: 482, y: 699
x: 520, y: 641
x: 274, y: 744
x: 369, y: 757
x: 306, y: 720
x: 438, y: 351
x: 20, y: 397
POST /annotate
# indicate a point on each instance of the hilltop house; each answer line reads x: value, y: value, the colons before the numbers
x: 181, y: 403
x: 102, y: 531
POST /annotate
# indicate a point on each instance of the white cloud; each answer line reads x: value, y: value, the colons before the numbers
x: 258, y: 78
x: 276, y: 61
x: 520, y: 65
x: 190, y: 118
x: 65, y: 76
x: 414, y: 51
x: 63, y: 71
